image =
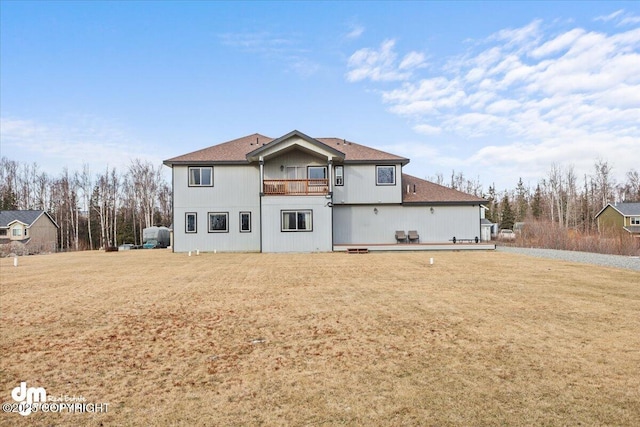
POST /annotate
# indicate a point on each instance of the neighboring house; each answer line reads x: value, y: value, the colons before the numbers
x: 29, y: 231
x: 301, y: 194
x: 620, y: 216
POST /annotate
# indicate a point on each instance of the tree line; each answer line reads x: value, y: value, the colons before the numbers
x: 112, y: 207
x: 93, y: 210
x: 560, y: 197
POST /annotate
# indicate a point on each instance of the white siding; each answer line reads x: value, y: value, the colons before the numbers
x: 360, y: 224
x: 360, y: 186
x: 276, y: 240
x: 236, y: 189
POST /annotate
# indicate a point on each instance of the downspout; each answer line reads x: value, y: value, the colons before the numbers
x: 261, y: 162
x: 173, y: 208
x: 330, y: 176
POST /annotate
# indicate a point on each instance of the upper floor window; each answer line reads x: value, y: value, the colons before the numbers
x: 339, y: 171
x: 385, y: 175
x: 316, y: 174
x: 635, y: 220
x: 15, y: 232
x: 201, y: 176
x: 3, y: 232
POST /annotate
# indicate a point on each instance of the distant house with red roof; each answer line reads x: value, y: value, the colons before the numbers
x: 296, y: 193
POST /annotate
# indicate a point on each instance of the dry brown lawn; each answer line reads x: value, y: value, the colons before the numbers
x: 479, y: 338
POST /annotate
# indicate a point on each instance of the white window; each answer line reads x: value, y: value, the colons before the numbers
x: 201, y: 177
x: 635, y: 220
x: 339, y: 170
x: 297, y: 220
x: 218, y: 222
x: 190, y: 223
x: 16, y: 232
x: 245, y: 222
x: 385, y: 175
x: 317, y: 173
x: 295, y: 172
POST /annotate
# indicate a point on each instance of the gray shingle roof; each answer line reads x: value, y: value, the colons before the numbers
x: 26, y: 217
x: 628, y: 209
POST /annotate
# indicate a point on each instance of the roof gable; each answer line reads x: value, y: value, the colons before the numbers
x: 624, y: 209
x: 26, y: 217
x: 295, y: 139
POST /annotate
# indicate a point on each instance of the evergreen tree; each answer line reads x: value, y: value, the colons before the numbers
x: 536, y: 203
x: 508, y: 216
x: 521, y: 201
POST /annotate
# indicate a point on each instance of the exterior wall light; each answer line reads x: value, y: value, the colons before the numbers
x: 375, y: 211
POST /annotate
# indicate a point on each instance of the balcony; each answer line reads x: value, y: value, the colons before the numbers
x: 296, y: 187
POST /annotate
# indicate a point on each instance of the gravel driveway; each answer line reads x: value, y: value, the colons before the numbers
x: 616, y: 261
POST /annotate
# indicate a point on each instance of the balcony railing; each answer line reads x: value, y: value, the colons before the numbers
x: 296, y: 187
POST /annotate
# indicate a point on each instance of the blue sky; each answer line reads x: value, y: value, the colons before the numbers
x: 497, y: 90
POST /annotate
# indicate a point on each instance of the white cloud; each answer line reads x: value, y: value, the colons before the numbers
x: 427, y: 129
x: 71, y: 143
x: 611, y: 16
x: 524, y: 98
x: 286, y: 49
x: 622, y: 18
x: 355, y: 32
x: 382, y: 65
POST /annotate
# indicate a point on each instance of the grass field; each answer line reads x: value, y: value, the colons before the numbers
x: 477, y: 338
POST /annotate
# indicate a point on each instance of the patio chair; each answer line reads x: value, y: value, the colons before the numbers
x: 400, y: 236
x: 413, y: 236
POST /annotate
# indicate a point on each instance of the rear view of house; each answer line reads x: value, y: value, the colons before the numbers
x: 296, y: 193
x: 28, y: 232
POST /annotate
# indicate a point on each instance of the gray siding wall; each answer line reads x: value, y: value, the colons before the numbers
x: 236, y: 189
x: 276, y: 240
x: 359, y: 224
x: 360, y: 186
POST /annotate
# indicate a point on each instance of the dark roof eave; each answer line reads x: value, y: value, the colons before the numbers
x: 402, y: 161
x: 205, y: 162
x: 445, y: 202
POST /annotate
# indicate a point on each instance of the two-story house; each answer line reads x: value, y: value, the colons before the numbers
x: 620, y: 217
x: 27, y: 231
x: 301, y: 194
